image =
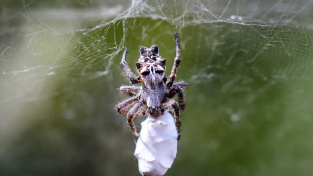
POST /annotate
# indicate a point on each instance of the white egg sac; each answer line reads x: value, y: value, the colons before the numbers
x: 156, y: 147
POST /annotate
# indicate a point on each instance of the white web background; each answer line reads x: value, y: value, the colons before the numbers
x: 181, y: 14
x: 38, y: 23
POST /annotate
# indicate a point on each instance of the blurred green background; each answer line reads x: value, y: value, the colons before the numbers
x: 248, y: 65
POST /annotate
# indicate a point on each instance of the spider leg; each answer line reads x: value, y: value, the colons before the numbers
x: 121, y: 107
x: 175, y: 65
x: 133, y: 112
x: 142, y: 111
x: 176, y: 90
x: 180, y: 84
x: 173, y: 104
x: 130, y: 90
x: 127, y: 70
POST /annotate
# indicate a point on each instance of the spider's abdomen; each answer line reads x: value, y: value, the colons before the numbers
x: 154, y: 98
x: 154, y: 104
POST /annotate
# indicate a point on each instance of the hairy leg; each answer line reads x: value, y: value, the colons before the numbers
x: 173, y: 104
x: 127, y: 70
x: 130, y: 90
x: 142, y: 111
x: 131, y: 114
x: 176, y: 90
x: 175, y: 65
x: 180, y: 84
x: 121, y: 107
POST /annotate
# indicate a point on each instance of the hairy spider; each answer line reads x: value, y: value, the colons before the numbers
x: 156, y: 93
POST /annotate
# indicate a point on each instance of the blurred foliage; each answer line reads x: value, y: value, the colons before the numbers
x: 5, y: 4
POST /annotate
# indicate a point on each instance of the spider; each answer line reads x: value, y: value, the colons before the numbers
x: 155, y: 94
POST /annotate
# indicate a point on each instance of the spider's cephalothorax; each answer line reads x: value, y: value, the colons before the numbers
x: 156, y: 93
x: 149, y: 54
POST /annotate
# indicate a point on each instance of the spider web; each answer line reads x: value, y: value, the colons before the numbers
x: 248, y: 65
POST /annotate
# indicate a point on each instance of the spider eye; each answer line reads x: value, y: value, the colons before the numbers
x: 145, y: 73
x: 159, y: 71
